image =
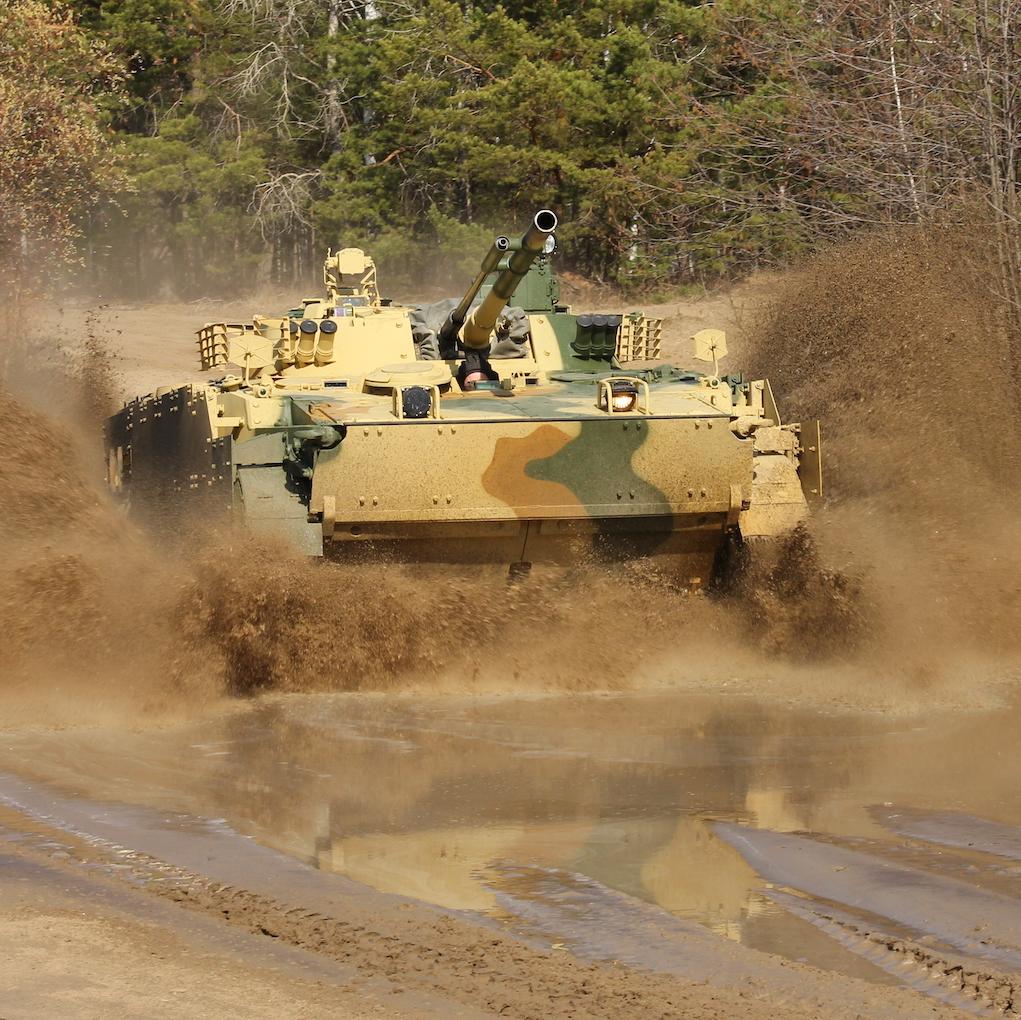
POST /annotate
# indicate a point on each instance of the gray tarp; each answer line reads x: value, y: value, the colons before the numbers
x: 510, y: 339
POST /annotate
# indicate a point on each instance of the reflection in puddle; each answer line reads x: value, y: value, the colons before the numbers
x: 440, y: 866
x: 699, y: 876
x: 692, y: 874
x: 526, y: 809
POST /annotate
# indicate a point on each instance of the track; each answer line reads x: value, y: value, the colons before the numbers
x: 440, y: 957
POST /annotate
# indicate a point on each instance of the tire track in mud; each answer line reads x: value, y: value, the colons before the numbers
x: 851, y: 889
x: 975, y: 922
x: 414, y: 948
x: 957, y: 981
x: 487, y: 967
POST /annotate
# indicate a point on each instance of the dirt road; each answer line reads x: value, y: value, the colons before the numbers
x: 452, y: 857
x: 78, y: 947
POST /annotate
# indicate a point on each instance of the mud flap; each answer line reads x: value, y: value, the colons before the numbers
x: 810, y: 462
x: 271, y: 510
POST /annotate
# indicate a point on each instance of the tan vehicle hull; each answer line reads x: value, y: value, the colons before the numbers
x: 359, y: 429
x: 460, y: 491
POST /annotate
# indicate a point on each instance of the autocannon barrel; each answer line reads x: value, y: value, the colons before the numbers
x: 479, y: 327
x: 455, y: 320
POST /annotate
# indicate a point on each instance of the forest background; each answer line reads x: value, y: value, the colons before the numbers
x: 190, y: 148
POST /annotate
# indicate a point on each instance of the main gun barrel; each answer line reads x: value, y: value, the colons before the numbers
x: 455, y: 320
x: 478, y: 329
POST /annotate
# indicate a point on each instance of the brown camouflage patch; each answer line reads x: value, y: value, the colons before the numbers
x: 505, y: 478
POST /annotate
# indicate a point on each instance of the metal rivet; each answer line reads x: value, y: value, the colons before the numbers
x: 450, y: 499
x: 436, y: 499
x: 691, y: 493
x: 361, y: 501
x: 375, y: 501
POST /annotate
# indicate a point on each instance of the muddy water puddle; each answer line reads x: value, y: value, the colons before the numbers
x: 593, y: 821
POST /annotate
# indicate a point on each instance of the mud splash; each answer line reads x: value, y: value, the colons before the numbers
x: 86, y: 607
x: 894, y: 342
x: 903, y: 594
x: 93, y: 610
x: 92, y: 607
x: 86, y: 604
x: 95, y: 618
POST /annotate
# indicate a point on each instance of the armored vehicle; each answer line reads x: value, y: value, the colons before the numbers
x: 501, y: 428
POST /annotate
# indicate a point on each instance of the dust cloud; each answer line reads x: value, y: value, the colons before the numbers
x: 87, y: 606
x: 895, y: 342
x: 99, y: 620
x: 903, y: 593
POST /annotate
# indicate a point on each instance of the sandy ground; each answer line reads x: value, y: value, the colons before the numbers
x: 77, y: 949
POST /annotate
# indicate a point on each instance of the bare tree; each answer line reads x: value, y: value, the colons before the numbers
x: 916, y: 109
x: 55, y: 160
x: 281, y: 203
x: 893, y: 111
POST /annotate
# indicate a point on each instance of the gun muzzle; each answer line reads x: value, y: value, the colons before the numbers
x: 479, y: 328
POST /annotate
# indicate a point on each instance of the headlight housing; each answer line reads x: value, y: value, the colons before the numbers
x: 622, y: 396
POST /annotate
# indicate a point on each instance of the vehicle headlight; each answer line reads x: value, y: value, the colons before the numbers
x: 624, y: 400
x: 623, y: 397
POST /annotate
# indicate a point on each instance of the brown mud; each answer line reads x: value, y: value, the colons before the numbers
x: 548, y: 830
x: 568, y: 869
x: 901, y: 595
x: 437, y: 964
